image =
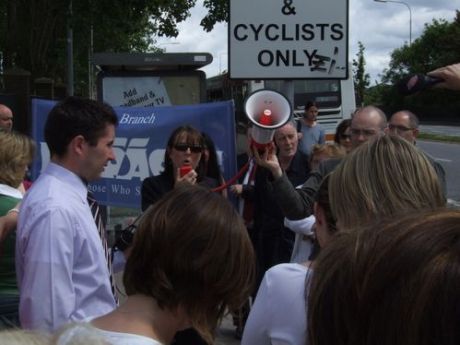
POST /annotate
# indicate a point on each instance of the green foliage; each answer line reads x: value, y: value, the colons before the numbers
x: 439, y: 45
x: 218, y: 11
x: 33, y: 34
x: 360, y: 77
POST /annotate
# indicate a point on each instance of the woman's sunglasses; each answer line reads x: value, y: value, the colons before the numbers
x: 184, y: 147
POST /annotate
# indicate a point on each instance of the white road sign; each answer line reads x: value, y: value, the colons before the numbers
x: 288, y: 39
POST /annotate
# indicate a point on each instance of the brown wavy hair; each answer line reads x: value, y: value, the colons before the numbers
x: 192, y: 250
x: 395, y: 283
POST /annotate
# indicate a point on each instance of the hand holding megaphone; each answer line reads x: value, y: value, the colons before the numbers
x: 268, y: 159
x: 450, y: 76
x: 268, y: 110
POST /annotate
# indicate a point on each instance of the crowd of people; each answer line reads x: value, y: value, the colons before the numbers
x: 347, y: 242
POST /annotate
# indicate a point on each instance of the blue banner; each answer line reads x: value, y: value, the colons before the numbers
x: 140, y: 143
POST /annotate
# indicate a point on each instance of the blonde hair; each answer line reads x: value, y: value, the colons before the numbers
x: 16, y: 152
x: 380, y: 179
x: 23, y: 337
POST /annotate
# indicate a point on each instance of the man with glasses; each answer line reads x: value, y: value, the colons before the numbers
x: 404, y: 124
x: 367, y: 123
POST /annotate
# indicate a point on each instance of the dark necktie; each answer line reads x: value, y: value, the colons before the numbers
x: 96, y: 211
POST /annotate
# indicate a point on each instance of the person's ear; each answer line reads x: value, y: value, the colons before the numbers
x: 416, y: 131
x: 78, y: 145
x: 322, y: 230
x: 299, y: 135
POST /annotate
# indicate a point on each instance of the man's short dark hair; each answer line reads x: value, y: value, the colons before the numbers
x: 77, y: 116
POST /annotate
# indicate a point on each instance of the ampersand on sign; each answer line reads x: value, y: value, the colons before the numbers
x: 287, y: 8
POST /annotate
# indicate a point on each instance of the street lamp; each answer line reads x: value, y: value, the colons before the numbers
x: 220, y: 61
x: 410, y: 15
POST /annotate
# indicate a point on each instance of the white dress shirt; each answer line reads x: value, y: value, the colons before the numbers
x: 302, y: 248
x: 60, y: 264
x: 279, y: 315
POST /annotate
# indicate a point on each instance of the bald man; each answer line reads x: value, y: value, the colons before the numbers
x: 404, y: 124
x: 6, y: 118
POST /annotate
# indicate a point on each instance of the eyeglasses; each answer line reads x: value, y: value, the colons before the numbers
x: 399, y: 128
x: 345, y: 136
x: 355, y: 132
x: 185, y: 147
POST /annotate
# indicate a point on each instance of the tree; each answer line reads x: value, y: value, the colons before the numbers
x: 360, y: 77
x: 218, y: 11
x: 33, y: 33
x: 438, y: 45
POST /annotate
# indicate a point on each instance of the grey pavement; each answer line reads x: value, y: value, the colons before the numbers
x: 226, y: 333
x: 440, y: 129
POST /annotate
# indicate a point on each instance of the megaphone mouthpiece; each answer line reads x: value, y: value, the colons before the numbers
x: 266, y: 118
x: 268, y: 110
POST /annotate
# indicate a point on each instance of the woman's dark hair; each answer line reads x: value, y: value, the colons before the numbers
x: 341, y: 128
x: 394, y: 283
x: 211, y: 166
x: 193, y: 137
x: 310, y: 104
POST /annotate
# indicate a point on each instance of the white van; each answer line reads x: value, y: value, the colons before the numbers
x: 335, y: 98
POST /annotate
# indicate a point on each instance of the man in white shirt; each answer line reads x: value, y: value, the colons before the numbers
x: 60, y: 261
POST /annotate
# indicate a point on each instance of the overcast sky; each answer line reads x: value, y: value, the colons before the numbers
x: 381, y: 27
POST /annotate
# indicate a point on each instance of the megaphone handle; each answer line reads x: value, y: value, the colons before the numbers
x: 233, y: 179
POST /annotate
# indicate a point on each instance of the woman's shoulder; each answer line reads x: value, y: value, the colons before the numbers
x: 277, y: 275
x: 119, y: 338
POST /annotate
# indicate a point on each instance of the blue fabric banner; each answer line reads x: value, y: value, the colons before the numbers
x: 140, y: 143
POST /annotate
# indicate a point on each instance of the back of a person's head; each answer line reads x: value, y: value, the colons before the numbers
x: 320, y: 152
x: 331, y: 150
x: 16, y: 153
x: 192, y: 250
x: 395, y: 283
x: 77, y: 116
x: 381, y: 179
